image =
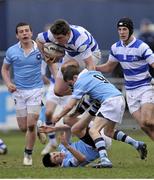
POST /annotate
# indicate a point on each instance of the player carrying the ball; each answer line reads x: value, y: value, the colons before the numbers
x: 78, y: 44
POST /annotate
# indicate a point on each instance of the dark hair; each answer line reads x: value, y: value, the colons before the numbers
x: 60, y: 26
x: 47, y: 161
x: 126, y: 22
x: 69, y: 72
x: 22, y: 24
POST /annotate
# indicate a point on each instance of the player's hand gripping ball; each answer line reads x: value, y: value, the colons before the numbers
x: 53, y: 52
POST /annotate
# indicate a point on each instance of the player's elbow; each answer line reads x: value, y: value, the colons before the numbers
x: 82, y: 159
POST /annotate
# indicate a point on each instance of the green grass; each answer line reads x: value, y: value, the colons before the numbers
x: 125, y: 159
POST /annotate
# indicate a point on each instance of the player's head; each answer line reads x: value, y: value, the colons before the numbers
x: 23, y: 32
x: 127, y: 23
x: 70, y: 74
x: 53, y: 159
x: 61, y: 31
x: 20, y: 24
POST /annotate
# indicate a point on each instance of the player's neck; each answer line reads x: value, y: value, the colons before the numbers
x: 128, y: 41
x: 27, y: 46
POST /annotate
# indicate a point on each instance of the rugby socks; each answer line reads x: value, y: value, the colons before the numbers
x: 121, y: 136
x: 100, y: 145
x: 28, y: 151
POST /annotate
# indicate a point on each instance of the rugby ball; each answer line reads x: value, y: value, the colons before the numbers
x: 53, y: 50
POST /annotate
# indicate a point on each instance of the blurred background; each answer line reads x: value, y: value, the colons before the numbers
x: 98, y: 16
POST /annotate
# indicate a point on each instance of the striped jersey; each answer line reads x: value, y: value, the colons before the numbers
x: 80, y: 41
x: 134, y: 59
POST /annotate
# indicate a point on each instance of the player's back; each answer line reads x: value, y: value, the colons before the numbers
x: 95, y: 85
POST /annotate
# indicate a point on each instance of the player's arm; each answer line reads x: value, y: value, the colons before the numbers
x: 7, y: 78
x: 53, y: 67
x: 65, y: 110
x: 40, y: 45
x: 49, y: 129
x: 108, y: 67
x: 89, y: 63
x: 78, y: 155
x: 46, y: 80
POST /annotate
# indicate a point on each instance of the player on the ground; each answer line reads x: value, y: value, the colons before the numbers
x: 74, y: 154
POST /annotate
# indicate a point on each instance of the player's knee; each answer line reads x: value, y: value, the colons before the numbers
x: 31, y: 128
x: 23, y: 129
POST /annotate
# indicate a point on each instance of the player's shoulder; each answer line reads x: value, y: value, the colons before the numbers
x: 78, y: 30
x: 116, y: 45
x: 13, y: 48
x: 140, y: 45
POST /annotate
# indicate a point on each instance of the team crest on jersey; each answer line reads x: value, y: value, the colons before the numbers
x: 38, y: 56
x: 135, y: 58
x: 15, y: 101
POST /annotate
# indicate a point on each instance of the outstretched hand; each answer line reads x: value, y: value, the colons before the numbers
x: 46, y: 129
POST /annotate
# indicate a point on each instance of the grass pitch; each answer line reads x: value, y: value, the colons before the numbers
x: 125, y: 159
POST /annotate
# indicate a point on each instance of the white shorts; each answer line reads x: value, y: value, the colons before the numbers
x: 27, y: 100
x: 113, y: 109
x: 137, y: 97
x: 96, y: 55
x: 50, y: 96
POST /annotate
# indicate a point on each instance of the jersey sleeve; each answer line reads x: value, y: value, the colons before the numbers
x: 112, y: 56
x: 78, y: 90
x: 70, y: 162
x: 45, y: 37
x: 146, y: 53
x: 7, y: 58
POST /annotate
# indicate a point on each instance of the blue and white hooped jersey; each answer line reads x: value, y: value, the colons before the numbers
x: 26, y: 68
x: 134, y: 59
x: 95, y: 85
x: 80, y: 41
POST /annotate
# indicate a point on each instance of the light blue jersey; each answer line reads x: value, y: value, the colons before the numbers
x: 134, y: 59
x: 95, y: 85
x: 26, y: 68
x: 80, y: 41
x: 70, y: 161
